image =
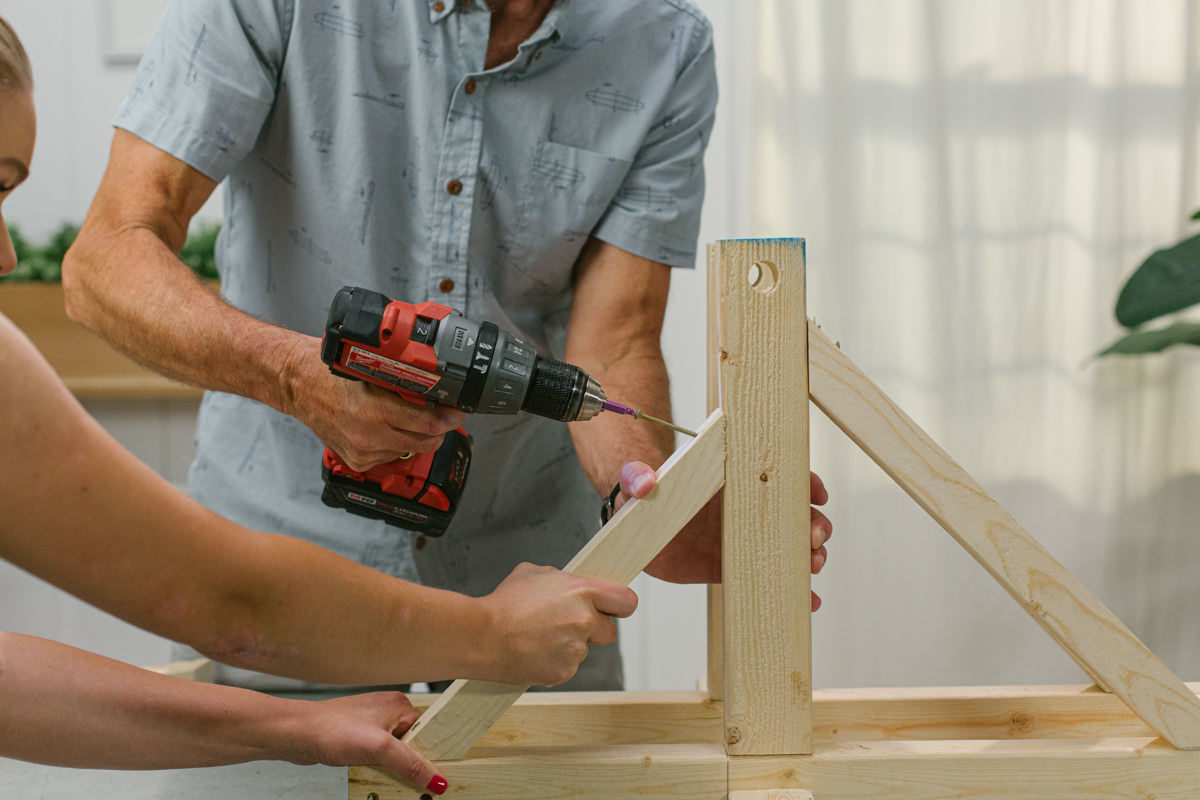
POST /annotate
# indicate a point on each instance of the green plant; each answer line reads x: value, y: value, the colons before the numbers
x: 199, y: 251
x: 1166, y: 282
x: 45, y: 263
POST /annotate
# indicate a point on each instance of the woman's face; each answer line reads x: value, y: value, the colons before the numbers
x: 18, y: 128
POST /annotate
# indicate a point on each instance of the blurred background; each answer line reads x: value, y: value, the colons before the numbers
x: 975, y: 180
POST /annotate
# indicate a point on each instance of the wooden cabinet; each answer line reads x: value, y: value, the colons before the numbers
x: 88, y: 365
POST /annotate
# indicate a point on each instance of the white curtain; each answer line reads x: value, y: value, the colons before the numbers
x: 975, y: 180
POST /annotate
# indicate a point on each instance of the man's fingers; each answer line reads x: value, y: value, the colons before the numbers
x: 404, y: 415
x: 818, y: 495
x: 605, y: 631
x: 613, y: 599
x: 821, y: 529
x: 637, y: 479
x: 404, y: 762
x: 819, y: 557
x: 816, y: 601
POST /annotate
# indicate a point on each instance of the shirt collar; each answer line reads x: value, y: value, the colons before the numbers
x: 553, y: 27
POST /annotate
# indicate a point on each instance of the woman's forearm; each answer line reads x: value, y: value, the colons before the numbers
x: 68, y: 707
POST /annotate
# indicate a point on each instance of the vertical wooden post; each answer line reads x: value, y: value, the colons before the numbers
x: 716, y: 628
x: 766, y: 550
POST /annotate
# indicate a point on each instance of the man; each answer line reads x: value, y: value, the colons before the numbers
x: 531, y: 163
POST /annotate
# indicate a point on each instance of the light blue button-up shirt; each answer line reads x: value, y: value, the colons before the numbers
x: 364, y: 143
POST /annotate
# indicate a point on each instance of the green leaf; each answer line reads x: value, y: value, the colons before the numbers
x: 1166, y: 281
x: 60, y: 243
x: 1196, y: 215
x: 199, y: 251
x: 20, y: 245
x: 1154, y: 341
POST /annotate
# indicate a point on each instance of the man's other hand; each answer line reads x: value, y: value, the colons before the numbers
x: 694, y: 555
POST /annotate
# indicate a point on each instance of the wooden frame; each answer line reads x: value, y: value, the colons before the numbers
x: 771, y: 737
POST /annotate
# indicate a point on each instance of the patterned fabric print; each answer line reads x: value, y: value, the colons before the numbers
x: 339, y: 129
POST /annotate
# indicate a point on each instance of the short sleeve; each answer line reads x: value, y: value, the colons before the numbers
x: 208, y: 80
x: 656, y: 212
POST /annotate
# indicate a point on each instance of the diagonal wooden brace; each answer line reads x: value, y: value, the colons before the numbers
x: 621, y: 550
x: 1058, y: 601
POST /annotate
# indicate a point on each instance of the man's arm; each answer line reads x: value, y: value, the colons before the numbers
x: 124, y: 280
x: 614, y: 334
x: 84, y: 514
x: 616, y: 325
x: 68, y: 707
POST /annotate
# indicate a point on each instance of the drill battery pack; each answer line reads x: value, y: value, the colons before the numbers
x: 420, y: 493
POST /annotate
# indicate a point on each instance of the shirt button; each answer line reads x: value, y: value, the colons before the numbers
x: 420, y: 543
x: 454, y: 186
x: 470, y: 87
x: 439, y: 6
x: 446, y: 286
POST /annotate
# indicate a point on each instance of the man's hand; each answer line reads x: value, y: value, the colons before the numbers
x: 364, y: 730
x: 364, y: 424
x: 545, y: 619
x: 694, y: 555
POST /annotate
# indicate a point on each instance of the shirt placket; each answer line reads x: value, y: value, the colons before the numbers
x: 458, y: 167
x: 454, y: 199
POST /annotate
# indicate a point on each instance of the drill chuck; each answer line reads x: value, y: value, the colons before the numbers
x: 562, y: 392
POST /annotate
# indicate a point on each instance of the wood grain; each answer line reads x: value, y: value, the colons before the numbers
x: 765, y: 557
x: 1047, y: 769
x: 617, y: 553
x: 715, y: 671
x: 771, y: 794
x: 1055, y: 598
x: 668, y: 772
x: 551, y: 719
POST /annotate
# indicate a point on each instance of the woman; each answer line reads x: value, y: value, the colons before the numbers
x: 82, y: 513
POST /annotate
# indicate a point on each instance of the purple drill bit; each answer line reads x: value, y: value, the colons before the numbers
x: 609, y: 405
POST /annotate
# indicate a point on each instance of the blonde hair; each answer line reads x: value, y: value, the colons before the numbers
x: 15, y: 70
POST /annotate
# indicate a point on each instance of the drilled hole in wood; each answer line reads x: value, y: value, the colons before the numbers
x: 762, y: 275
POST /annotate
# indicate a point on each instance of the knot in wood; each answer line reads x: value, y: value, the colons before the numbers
x: 733, y: 734
x: 1021, y: 722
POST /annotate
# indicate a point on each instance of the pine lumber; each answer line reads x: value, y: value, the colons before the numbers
x: 765, y: 558
x: 1045, y: 769
x: 617, y: 553
x: 1059, y: 602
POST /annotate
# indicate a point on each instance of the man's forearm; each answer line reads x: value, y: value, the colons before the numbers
x: 128, y: 286
x: 616, y: 323
x: 123, y: 279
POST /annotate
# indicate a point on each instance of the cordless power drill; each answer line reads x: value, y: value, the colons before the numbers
x: 430, y: 354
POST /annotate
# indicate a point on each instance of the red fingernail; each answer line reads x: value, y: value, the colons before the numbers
x: 437, y: 785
